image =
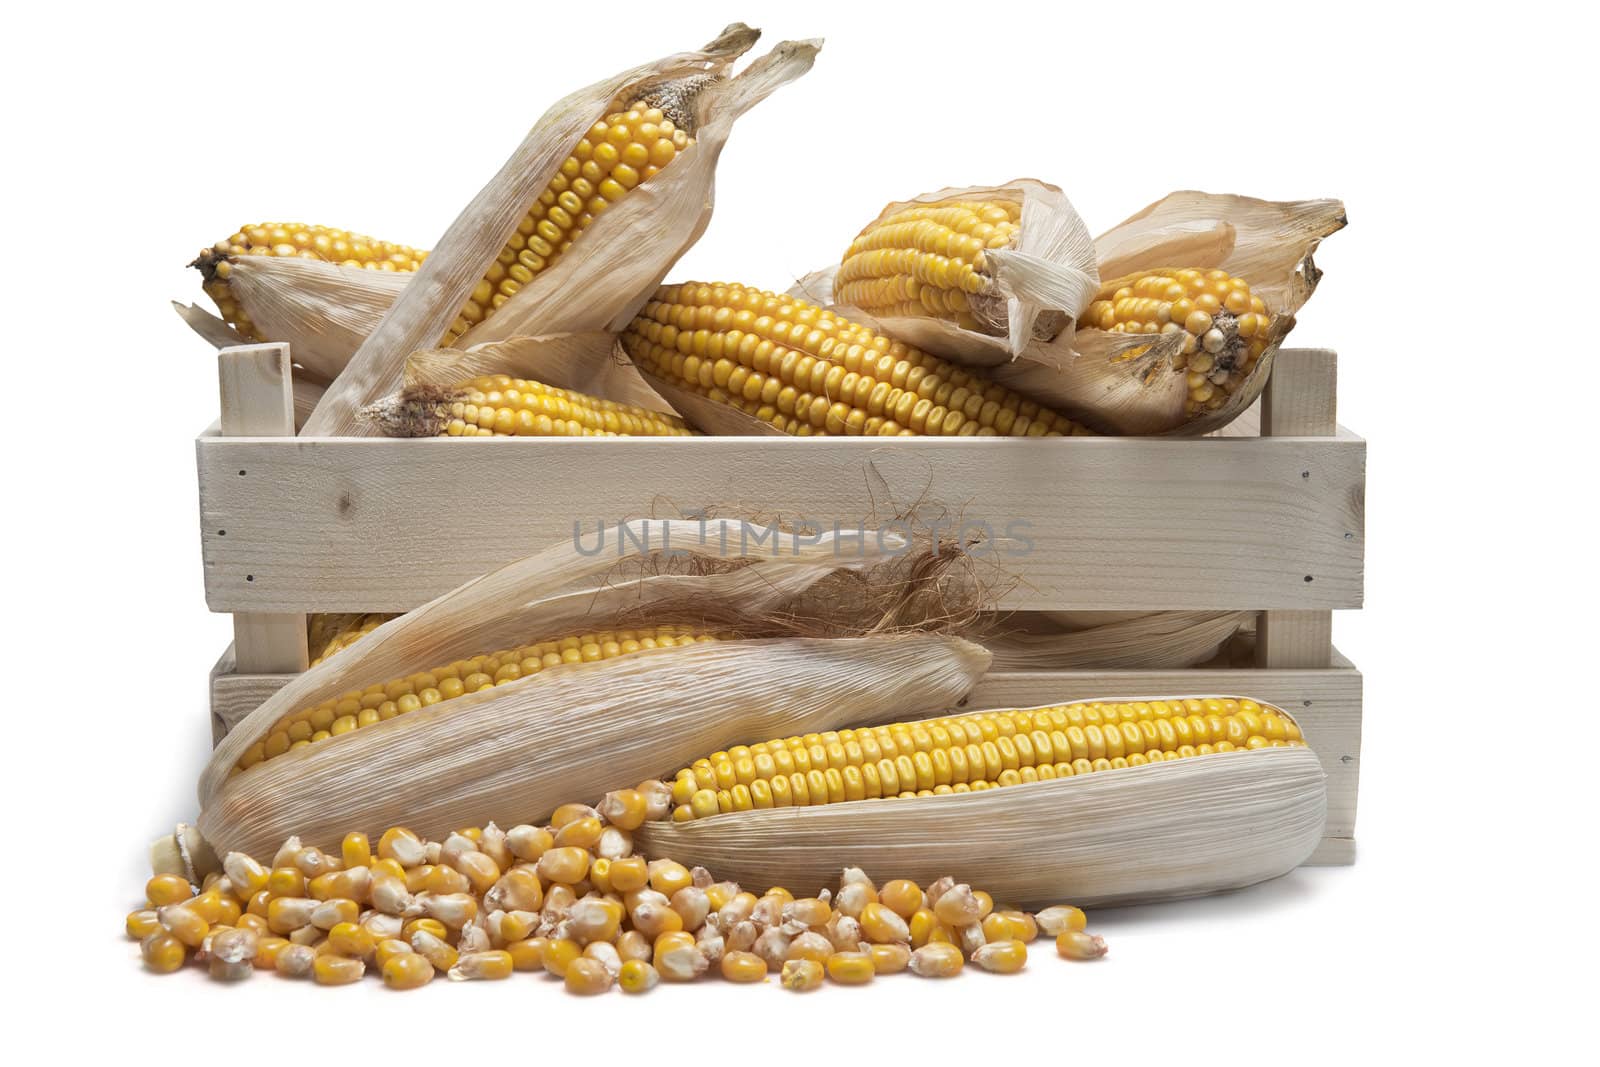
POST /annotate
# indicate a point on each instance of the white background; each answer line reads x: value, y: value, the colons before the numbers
x: 1462, y: 299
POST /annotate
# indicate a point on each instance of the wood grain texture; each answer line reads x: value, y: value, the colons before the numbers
x: 1114, y: 524
x: 1326, y: 703
x: 257, y: 398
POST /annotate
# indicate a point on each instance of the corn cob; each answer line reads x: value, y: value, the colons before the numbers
x: 497, y: 405
x: 928, y: 260
x: 806, y: 371
x: 328, y: 634
x: 487, y: 903
x: 1225, y: 326
x: 619, y: 152
x: 291, y: 239
x: 386, y: 700
x: 971, y: 753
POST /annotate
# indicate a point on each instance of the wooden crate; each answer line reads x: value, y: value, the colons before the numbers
x: 1270, y: 523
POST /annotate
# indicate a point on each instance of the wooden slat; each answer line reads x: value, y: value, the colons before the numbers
x: 1300, y: 400
x: 1326, y: 702
x: 257, y: 395
x: 1114, y: 524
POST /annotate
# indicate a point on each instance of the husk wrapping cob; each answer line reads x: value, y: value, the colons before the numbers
x: 624, y: 251
x: 516, y: 750
x: 1161, y: 830
x: 1162, y: 640
x: 1139, y: 383
x: 1026, y: 287
x: 1134, y: 383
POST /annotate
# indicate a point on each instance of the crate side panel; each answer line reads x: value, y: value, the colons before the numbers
x: 1096, y: 524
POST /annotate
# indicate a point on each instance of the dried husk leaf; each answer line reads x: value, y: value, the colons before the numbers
x: 624, y: 253
x: 1046, y: 281
x: 1159, y: 832
x: 1163, y: 640
x: 323, y: 311
x: 585, y: 362
x: 1110, y: 382
x: 515, y: 751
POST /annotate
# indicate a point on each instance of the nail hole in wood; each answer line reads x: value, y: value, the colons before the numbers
x: 1308, y: 577
x: 222, y: 533
x: 1305, y: 474
x: 249, y: 577
x: 241, y: 474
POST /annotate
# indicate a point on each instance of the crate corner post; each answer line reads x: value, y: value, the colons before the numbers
x: 256, y: 383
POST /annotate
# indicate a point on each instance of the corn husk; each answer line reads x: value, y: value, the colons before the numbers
x: 624, y: 253
x: 1043, y: 284
x: 1163, y: 640
x: 1159, y: 832
x: 514, y: 752
x: 1116, y: 383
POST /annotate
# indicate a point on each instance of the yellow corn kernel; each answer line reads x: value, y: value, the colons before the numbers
x: 902, y: 897
x: 184, y: 923
x: 489, y: 965
x: 167, y: 890
x: 637, y: 976
x: 331, y: 969
x: 1001, y: 957
x: 558, y: 954
x: 801, y: 976
x: 142, y: 923
x: 889, y: 957
x: 850, y: 968
x: 743, y: 967
x: 587, y: 977
x: 936, y: 959
x: 406, y: 970
x: 1077, y: 945
x: 1061, y: 918
x: 162, y: 952
x: 677, y: 958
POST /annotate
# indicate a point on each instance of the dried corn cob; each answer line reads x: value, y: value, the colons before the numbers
x: 928, y: 259
x: 498, y: 405
x: 293, y: 239
x: 806, y: 371
x: 619, y: 152
x: 970, y: 753
x: 1016, y: 799
x: 1225, y: 325
x: 485, y: 903
x: 383, y: 701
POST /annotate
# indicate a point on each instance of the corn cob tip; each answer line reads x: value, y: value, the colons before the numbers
x: 676, y: 99
x: 208, y: 261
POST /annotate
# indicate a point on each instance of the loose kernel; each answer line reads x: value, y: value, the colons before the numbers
x: 587, y: 977
x: 162, y: 952
x: 801, y: 976
x: 330, y: 969
x: 850, y: 968
x: 637, y: 976
x: 1077, y: 945
x: 743, y: 967
x: 407, y: 970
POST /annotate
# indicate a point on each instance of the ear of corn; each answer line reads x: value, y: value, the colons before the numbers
x: 498, y: 405
x: 1224, y: 325
x: 620, y: 151
x: 806, y: 371
x: 970, y: 753
x: 1099, y: 801
x: 294, y: 240
x: 928, y: 260
x: 382, y: 701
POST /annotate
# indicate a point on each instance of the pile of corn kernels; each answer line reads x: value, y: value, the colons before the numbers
x: 569, y: 899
